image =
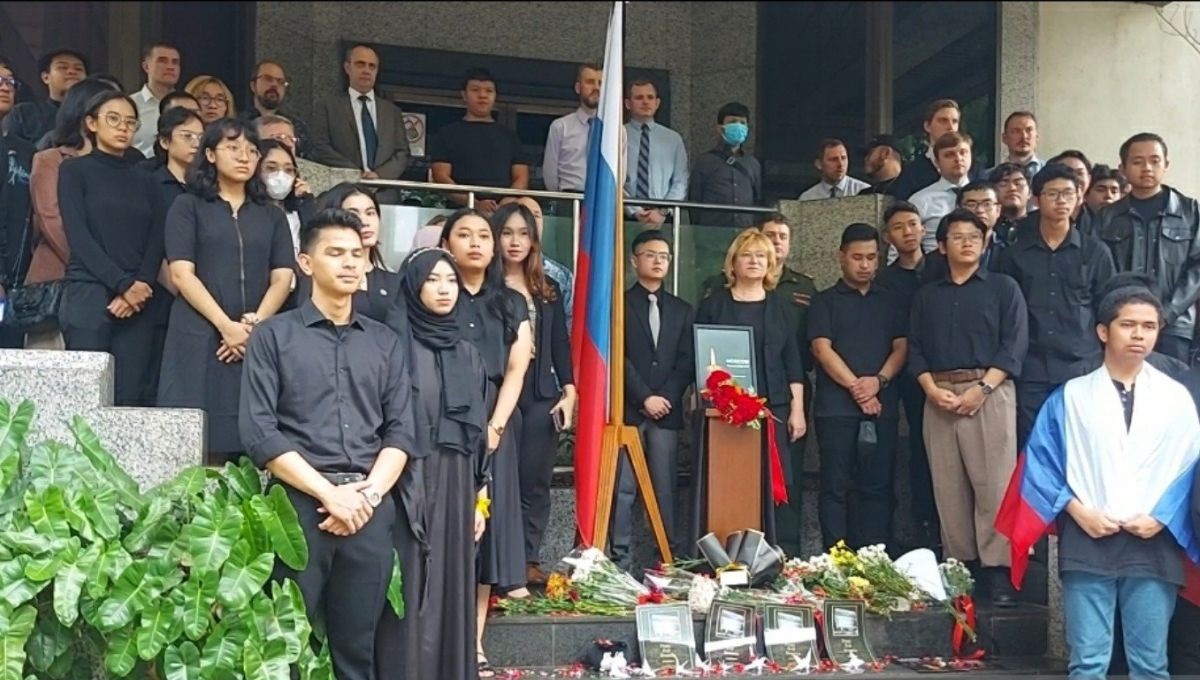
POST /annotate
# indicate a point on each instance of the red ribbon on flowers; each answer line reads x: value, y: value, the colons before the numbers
x: 778, y: 486
x: 819, y: 623
x: 964, y: 605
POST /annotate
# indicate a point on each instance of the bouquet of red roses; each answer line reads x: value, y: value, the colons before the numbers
x: 736, y: 406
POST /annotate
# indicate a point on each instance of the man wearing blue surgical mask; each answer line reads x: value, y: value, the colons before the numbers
x: 727, y: 174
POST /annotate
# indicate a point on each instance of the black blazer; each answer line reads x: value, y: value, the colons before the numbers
x: 666, y: 371
x: 383, y: 292
x: 782, y: 359
x: 552, y: 358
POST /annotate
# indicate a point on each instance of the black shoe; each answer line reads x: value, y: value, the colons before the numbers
x: 1003, y: 594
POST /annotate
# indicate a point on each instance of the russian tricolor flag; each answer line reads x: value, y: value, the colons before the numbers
x: 599, y: 233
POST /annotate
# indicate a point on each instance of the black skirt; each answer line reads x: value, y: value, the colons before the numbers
x: 502, y: 550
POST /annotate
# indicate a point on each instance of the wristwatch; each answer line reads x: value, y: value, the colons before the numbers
x: 987, y: 389
x: 373, y: 496
x: 883, y: 381
x: 498, y: 428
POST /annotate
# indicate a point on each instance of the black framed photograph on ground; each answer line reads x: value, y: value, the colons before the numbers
x: 666, y: 637
x: 731, y: 635
x: 790, y: 636
x: 846, y: 634
x: 729, y: 349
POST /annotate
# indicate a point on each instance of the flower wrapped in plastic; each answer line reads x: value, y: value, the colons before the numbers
x: 598, y: 579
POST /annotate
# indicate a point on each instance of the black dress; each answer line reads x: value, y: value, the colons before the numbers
x: 502, y: 551
x: 234, y: 257
x: 435, y: 538
x: 779, y: 363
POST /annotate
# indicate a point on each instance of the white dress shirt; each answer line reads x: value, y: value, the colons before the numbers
x: 356, y: 105
x: 935, y: 202
x: 147, y: 110
x: 564, y: 163
x: 847, y: 186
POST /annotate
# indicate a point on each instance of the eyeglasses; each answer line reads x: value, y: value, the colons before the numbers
x: 959, y: 239
x: 239, y: 151
x: 9, y: 82
x: 1067, y: 195
x: 272, y: 80
x: 974, y: 205
x: 655, y: 257
x: 206, y: 99
x: 116, y: 120
x: 188, y: 137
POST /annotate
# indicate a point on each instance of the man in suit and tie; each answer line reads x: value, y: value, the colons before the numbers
x: 359, y: 129
x: 658, y: 369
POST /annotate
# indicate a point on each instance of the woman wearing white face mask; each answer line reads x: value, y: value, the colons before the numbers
x: 285, y: 187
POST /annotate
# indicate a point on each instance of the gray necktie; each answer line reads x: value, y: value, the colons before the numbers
x: 655, y: 318
x: 833, y: 192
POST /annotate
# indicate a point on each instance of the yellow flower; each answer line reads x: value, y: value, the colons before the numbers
x: 558, y: 587
x: 859, y: 587
x: 844, y: 558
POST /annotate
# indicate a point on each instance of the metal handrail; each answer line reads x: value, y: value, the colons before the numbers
x: 576, y: 199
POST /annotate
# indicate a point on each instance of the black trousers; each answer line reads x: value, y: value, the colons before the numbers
x: 345, y: 583
x: 1030, y: 397
x: 87, y: 326
x: 868, y: 469
x: 1183, y: 641
x: 661, y: 447
x: 539, y: 446
x: 920, y: 481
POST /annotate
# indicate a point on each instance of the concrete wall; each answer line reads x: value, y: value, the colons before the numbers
x: 704, y: 73
x: 1107, y: 70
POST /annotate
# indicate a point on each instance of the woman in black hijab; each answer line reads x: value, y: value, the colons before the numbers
x: 442, y: 494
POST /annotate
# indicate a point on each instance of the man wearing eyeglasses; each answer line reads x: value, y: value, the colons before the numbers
x: 1061, y: 272
x: 269, y: 85
x: 1012, y: 186
x: 16, y: 155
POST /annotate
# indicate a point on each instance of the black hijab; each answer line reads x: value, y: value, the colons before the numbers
x: 459, y: 425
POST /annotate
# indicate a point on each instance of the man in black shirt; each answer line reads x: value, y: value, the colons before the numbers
x: 884, y: 163
x: 856, y: 331
x: 60, y: 69
x: 478, y: 150
x: 16, y: 155
x: 1156, y: 229
x: 325, y: 409
x: 1012, y: 187
x: 967, y: 339
x: 1061, y: 272
x: 903, y: 230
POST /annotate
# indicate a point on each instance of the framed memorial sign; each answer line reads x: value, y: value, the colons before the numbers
x: 665, y: 636
x: 790, y: 636
x: 731, y: 634
x: 846, y: 634
x: 729, y: 348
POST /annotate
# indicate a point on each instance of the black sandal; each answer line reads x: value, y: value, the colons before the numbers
x: 485, y: 669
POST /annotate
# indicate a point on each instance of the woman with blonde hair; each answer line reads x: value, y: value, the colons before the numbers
x: 745, y: 300
x: 215, y: 97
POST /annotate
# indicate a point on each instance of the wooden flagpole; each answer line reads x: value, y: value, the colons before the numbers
x: 617, y: 435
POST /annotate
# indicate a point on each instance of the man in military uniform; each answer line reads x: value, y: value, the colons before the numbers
x: 796, y: 290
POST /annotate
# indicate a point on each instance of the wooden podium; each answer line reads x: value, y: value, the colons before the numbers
x: 735, y: 469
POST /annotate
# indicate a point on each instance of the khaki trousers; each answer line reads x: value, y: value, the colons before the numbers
x: 971, y: 459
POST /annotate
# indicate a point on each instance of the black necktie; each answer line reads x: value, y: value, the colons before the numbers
x: 643, y: 166
x: 833, y: 192
x: 370, y: 136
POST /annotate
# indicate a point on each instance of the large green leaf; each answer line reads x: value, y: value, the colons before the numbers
x: 68, y: 584
x: 49, y: 641
x: 48, y: 512
x: 100, y: 508
x: 191, y: 482
x: 15, y: 588
x: 52, y: 463
x: 244, y: 575
x: 395, y: 591
x: 243, y: 479
x: 254, y: 531
x: 199, y: 596
x: 289, y: 612
x: 211, y: 534
x: 27, y: 541
x: 130, y: 595
x: 223, y: 647
x: 148, y: 524
x: 161, y: 625
x: 279, y: 516
x: 268, y: 662
x: 121, y: 656
x: 182, y: 662
x: 103, y: 463
x: 14, y: 424
x: 107, y: 567
x: 317, y: 667
x: 16, y: 626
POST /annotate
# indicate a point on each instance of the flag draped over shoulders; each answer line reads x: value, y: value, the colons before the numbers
x: 1080, y: 448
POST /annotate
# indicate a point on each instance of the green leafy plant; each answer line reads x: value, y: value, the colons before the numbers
x: 171, y: 584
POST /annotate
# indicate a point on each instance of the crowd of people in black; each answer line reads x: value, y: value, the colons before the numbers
x: 419, y: 407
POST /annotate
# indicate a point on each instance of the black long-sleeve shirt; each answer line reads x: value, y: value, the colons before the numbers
x: 335, y: 395
x: 110, y: 212
x: 981, y: 323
